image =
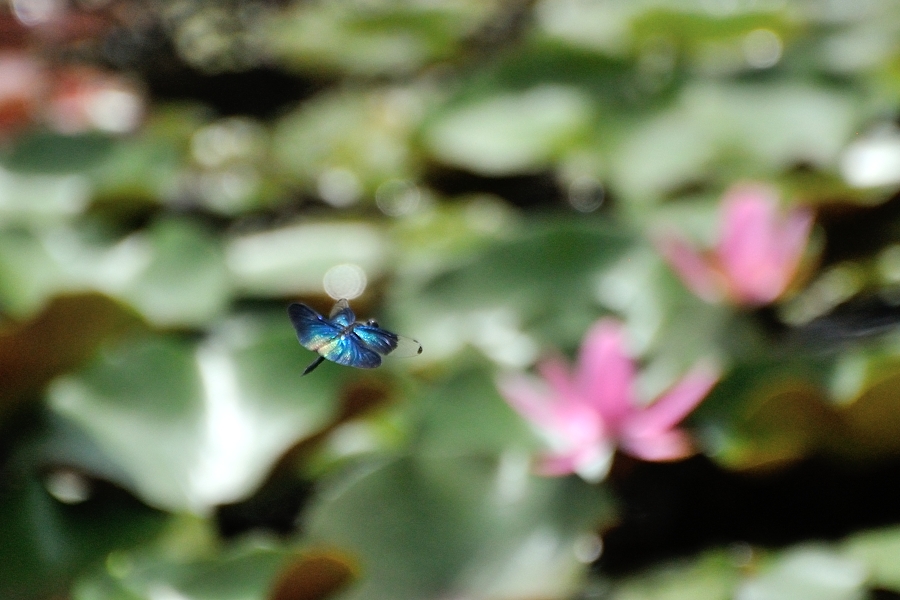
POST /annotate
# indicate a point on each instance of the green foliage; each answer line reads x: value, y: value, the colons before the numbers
x: 500, y: 173
x: 44, y: 152
x: 374, y: 38
x: 456, y: 524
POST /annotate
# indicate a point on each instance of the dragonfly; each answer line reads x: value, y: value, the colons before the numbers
x: 342, y: 339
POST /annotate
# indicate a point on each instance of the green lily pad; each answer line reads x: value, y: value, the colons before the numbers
x: 344, y: 145
x: 47, y: 543
x: 510, y: 133
x: 28, y: 273
x: 425, y: 527
x: 769, y: 411
x: 464, y: 414
x: 807, y: 572
x: 878, y: 550
x: 210, y: 429
x: 184, y: 280
x: 47, y: 152
x: 41, y: 198
x: 293, y: 260
x: 711, y: 576
x: 534, y: 287
x: 374, y: 38
x: 763, y: 127
x: 65, y: 334
x: 551, y: 261
x: 251, y: 569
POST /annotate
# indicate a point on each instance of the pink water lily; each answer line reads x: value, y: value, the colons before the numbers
x: 585, y: 413
x: 757, y: 255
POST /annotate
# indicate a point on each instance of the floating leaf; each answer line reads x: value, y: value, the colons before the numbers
x: 47, y: 152
x: 510, y: 133
x: 184, y: 280
x: 374, y: 38
x: 711, y: 576
x: 344, y: 145
x: 294, y: 260
x: 28, y: 273
x: 209, y: 430
x: 431, y: 527
x: 48, y: 543
x: 807, y: 573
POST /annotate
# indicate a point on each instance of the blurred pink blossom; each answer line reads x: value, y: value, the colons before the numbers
x: 586, y: 413
x: 22, y: 83
x: 85, y: 98
x: 757, y: 255
x: 68, y: 98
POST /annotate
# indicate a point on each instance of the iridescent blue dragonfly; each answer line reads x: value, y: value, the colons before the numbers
x: 342, y: 339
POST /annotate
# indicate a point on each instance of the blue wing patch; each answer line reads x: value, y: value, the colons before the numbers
x: 339, y: 338
x: 347, y: 350
x: 376, y: 338
x: 341, y: 314
x: 313, y: 330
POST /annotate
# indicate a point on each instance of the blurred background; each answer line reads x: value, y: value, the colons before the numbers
x: 490, y: 177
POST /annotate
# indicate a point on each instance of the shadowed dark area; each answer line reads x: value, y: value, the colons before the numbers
x: 260, y: 92
x: 537, y: 191
x: 676, y: 509
x: 274, y: 507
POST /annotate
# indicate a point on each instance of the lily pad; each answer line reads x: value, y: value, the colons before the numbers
x: 432, y: 527
x: 510, y: 133
x: 373, y: 38
x: 210, y: 429
x: 47, y: 152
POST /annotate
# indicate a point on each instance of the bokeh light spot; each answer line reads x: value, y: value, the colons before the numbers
x: 873, y: 160
x: 35, y: 12
x: 115, y: 110
x: 346, y: 280
x: 588, y: 548
x: 762, y: 48
x: 586, y: 194
x: 228, y: 140
x: 398, y: 197
x: 67, y: 486
x: 339, y: 187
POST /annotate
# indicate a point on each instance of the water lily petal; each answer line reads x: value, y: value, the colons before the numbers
x: 668, y: 445
x: 583, y: 420
x: 760, y: 248
x: 605, y: 373
x: 591, y: 464
x: 568, y: 424
x: 692, y: 267
x: 673, y: 406
x: 749, y: 226
x: 527, y: 396
x: 556, y: 373
x: 557, y: 466
x: 793, y: 238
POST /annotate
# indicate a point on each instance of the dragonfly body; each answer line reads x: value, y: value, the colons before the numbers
x: 342, y: 339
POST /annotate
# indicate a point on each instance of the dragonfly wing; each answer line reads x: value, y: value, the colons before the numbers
x: 341, y: 313
x: 313, y: 330
x: 376, y: 338
x: 348, y: 350
x: 340, y: 305
x: 406, y: 347
x: 385, y: 342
